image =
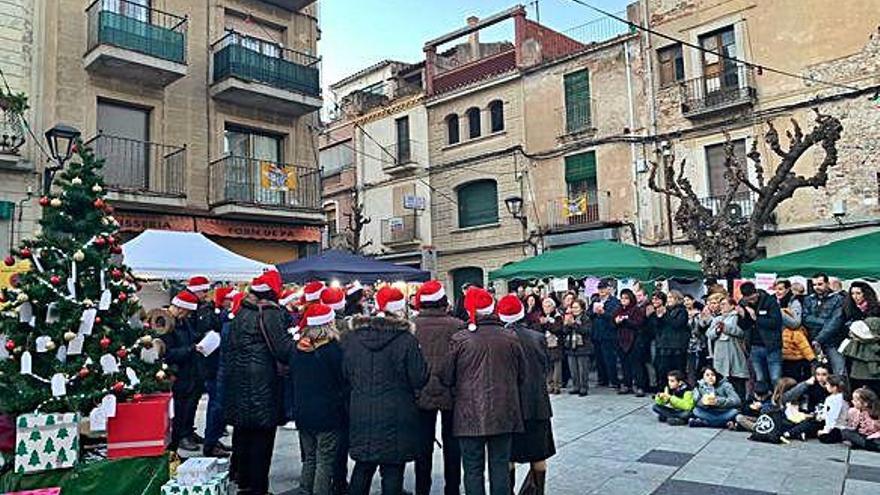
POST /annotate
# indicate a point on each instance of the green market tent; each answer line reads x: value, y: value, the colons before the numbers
x: 856, y: 257
x: 601, y: 259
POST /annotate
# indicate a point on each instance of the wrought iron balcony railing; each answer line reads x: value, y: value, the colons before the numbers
x: 708, y: 94
x: 140, y: 166
x: 741, y: 206
x: 12, y: 132
x: 582, y: 209
x: 251, y: 181
x: 138, y: 28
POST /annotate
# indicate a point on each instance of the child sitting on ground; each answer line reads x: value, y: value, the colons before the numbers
x: 674, y: 405
x: 863, y: 421
x: 759, y: 401
x: 716, y: 401
x: 831, y: 418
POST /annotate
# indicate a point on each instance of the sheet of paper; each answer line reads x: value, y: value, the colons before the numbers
x: 26, y: 363
x: 764, y: 281
x: 106, y: 297
x: 108, y: 404
x: 97, y: 419
x: 109, y: 364
x: 133, y: 379
x: 209, y: 343
x: 59, y: 385
x: 75, y: 347
x: 87, y: 321
x: 150, y: 355
x: 25, y: 312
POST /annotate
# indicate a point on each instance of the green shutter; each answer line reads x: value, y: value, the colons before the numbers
x: 580, y: 167
x: 477, y: 203
x: 6, y: 210
x: 577, y: 100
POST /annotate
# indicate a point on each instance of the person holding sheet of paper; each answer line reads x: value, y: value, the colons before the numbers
x: 189, y: 369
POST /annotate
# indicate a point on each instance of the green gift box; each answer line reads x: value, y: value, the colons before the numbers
x: 46, y: 441
x: 218, y: 485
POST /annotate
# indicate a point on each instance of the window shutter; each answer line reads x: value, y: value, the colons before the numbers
x: 580, y: 167
x: 478, y: 204
x: 577, y: 100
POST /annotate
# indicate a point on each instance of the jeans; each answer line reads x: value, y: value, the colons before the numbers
x: 835, y: 359
x: 451, y: 453
x: 767, y: 364
x: 715, y: 417
x: 666, y: 412
x: 580, y: 373
x: 859, y: 441
x: 554, y: 375
x: 608, y: 350
x: 473, y: 456
x: 318, y: 455
x: 362, y: 478
x: 252, y: 457
x: 809, y: 428
x: 214, y: 423
x: 641, y: 356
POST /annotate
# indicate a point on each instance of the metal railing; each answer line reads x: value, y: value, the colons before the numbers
x: 12, y: 132
x: 253, y: 59
x: 599, y: 30
x: 710, y: 93
x: 582, y: 209
x: 138, y: 28
x: 579, y: 115
x: 141, y: 166
x: 250, y: 181
x: 400, y: 230
x: 742, y: 205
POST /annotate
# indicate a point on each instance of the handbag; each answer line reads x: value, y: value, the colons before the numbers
x: 281, y: 369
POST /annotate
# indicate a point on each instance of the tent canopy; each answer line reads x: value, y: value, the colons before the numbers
x: 601, y: 259
x: 856, y: 257
x: 168, y: 255
x: 347, y: 267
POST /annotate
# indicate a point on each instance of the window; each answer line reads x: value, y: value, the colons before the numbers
x: 335, y: 158
x: 330, y: 218
x: 582, y: 201
x: 124, y: 144
x: 671, y: 64
x: 577, y: 100
x: 470, y: 275
x: 719, y: 73
x: 715, y: 156
x: 496, y: 114
x: 404, y: 152
x: 452, y: 136
x: 7, y: 216
x: 134, y: 9
x: 473, y: 118
x: 247, y: 149
x: 477, y: 203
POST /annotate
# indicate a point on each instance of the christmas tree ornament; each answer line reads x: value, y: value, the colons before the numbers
x: 10, y: 345
x: 9, y: 261
x: 116, y: 250
x: 25, y: 312
x: 108, y: 404
x: 108, y: 364
x: 55, y: 280
x: 75, y: 346
x: 50, y: 345
x: 111, y: 240
x: 121, y: 353
x: 116, y: 274
x: 97, y: 188
x: 25, y: 252
x: 99, y: 203
x: 100, y: 241
x: 146, y: 339
x: 79, y: 256
x: 88, y: 302
x: 137, y: 397
x: 98, y: 320
x: 83, y: 372
x: 118, y: 387
x: 42, y: 343
x: 68, y: 336
x: 160, y: 375
x: 122, y: 296
x: 14, y: 279
x: 53, y: 315
x: 22, y: 297
x: 87, y: 321
x: 26, y: 363
x: 44, y: 201
x: 55, y: 203
x: 133, y: 379
x: 61, y: 355
x: 104, y: 342
x: 59, y: 385
x: 76, y: 181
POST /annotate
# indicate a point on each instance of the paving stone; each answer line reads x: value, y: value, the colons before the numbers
x: 680, y: 487
x: 864, y: 473
x: 858, y: 487
x: 620, y: 485
x: 666, y: 457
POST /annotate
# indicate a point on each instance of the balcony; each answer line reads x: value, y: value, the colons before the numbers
x: 12, y: 137
x: 741, y: 206
x: 572, y: 213
x: 404, y: 158
x: 142, y: 172
x: 401, y: 231
x: 731, y: 90
x: 253, y: 73
x: 242, y: 186
x: 135, y: 42
x: 291, y: 5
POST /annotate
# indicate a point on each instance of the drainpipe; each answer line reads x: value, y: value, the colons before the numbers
x: 632, y: 145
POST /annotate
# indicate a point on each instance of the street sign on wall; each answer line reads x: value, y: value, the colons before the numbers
x: 411, y: 202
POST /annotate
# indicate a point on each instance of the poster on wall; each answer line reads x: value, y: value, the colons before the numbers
x: 277, y: 177
x: 765, y: 281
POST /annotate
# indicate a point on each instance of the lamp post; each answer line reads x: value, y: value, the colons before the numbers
x: 514, y: 205
x: 61, y: 139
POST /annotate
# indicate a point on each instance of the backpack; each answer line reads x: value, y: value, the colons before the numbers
x: 769, y: 426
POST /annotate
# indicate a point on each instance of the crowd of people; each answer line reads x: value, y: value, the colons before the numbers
x: 365, y: 373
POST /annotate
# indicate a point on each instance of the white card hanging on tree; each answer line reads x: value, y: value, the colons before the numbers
x: 25, y: 312
x: 133, y: 379
x: 52, y: 313
x: 87, y: 321
x: 75, y: 347
x: 109, y: 364
x: 36, y: 259
x: 26, y: 363
x: 71, y: 287
x: 61, y: 355
x: 106, y: 298
x: 59, y: 385
x: 73, y: 270
x: 33, y: 322
x: 108, y: 404
x: 97, y: 419
x: 150, y: 355
x: 4, y: 354
x: 42, y: 343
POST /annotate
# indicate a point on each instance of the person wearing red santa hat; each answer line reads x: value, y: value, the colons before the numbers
x: 319, y: 401
x: 534, y: 445
x: 434, y: 331
x: 189, y: 369
x: 384, y: 369
x: 257, y: 343
x: 485, y: 368
x: 312, y: 291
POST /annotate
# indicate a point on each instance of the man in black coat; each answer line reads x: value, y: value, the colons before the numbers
x: 760, y: 315
x: 189, y: 369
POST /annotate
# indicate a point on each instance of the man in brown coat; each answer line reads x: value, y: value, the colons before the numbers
x: 485, y: 368
x: 434, y: 331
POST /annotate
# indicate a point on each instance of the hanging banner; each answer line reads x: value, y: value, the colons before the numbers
x: 575, y: 206
x: 249, y: 230
x: 277, y: 177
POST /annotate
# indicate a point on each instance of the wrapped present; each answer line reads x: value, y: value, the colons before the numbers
x: 46, y: 441
x: 217, y: 485
x: 7, y: 433
x: 197, y: 470
x: 140, y: 429
x: 41, y: 491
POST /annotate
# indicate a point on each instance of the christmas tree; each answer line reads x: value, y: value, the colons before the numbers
x: 68, y: 334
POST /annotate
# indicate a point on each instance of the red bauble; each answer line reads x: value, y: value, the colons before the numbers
x: 138, y: 397
x: 10, y: 345
x: 25, y: 252
x: 44, y: 201
x: 99, y: 203
x: 122, y: 296
x: 14, y: 279
x: 121, y: 353
x: 97, y: 320
x: 105, y: 342
x: 116, y: 250
x: 55, y: 280
x: 116, y: 273
x: 84, y: 372
x: 9, y: 261
x: 108, y: 210
x: 100, y: 241
x: 111, y: 240
x: 118, y: 387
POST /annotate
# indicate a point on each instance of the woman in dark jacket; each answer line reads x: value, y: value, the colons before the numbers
x: 533, y: 311
x: 578, y: 346
x: 668, y: 320
x: 550, y: 324
x: 258, y: 342
x: 384, y: 369
x: 630, y: 320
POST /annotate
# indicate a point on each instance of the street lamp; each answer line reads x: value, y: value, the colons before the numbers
x: 61, y: 139
x: 514, y: 206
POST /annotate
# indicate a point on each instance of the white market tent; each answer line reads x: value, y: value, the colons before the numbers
x: 169, y: 255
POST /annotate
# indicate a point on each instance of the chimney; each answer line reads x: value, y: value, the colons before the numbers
x: 474, y: 38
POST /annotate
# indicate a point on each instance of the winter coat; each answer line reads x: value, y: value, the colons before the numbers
x: 671, y: 331
x: 486, y: 367
x: 208, y: 319
x: 604, y: 329
x: 823, y: 317
x: 577, y: 336
x: 552, y: 331
x: 766, y: 328
x: 434, y: 331
x: 681, y: 398
x: 795, y: 345
x: 180, y: 352
x: 863, y: 352
x: 253, y: 393
x: 319, y: 402
x: 534, y: 399
x: 834, y: 412
x: 862, y: 422
x: 630, y: 326
x: 384, y: 369
x: 724, y: 394
x: 792, y: 314
x: 728, y: 347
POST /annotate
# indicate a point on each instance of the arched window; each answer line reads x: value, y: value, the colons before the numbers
x: 452, y: 136
x: 496, y: 114
x: 477, y: 203
x: 473, y: 118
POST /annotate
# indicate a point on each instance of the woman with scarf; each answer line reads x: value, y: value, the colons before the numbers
x: 630, y: 321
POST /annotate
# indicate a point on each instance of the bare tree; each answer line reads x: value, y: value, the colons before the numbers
x: 724, y: 237
x: 356, y: 220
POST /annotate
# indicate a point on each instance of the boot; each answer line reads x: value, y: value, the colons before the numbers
x: 512, y: 480
x: 540, y: 478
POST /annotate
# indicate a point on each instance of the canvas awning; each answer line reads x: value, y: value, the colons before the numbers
x: 347, y: 267
x: 601, y: 259
x: 169, y: 255
x: 856, y: 257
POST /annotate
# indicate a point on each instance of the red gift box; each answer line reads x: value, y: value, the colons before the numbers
x: 140, y: 429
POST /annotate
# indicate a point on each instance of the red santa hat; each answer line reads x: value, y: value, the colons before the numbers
x: 510, y: 309
x: 198, y: 283
x: 221, y: 294
x: 287, y: 296
x: 430, y: 291
x: 333, y: 297
x: 353, y: 287
x: 186, y: 300
x: 477, y: 301
x: 269, y: 281
x: 317, y: 314
x: 312, y: 290
x: 236, y: 304
x: 389, y: 299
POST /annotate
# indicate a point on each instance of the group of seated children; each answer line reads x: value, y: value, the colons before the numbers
x: 814, y: 408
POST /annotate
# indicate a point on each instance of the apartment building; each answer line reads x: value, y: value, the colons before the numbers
x: 205, y: 113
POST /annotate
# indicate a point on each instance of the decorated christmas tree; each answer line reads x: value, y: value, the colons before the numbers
x: 68, y: 330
